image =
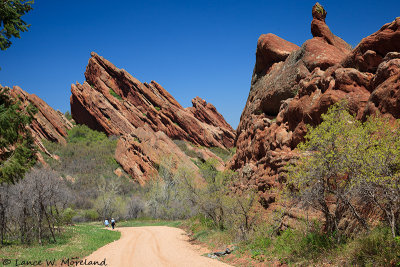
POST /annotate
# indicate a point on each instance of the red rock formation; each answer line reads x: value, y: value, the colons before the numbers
x: 385, y: 85
x: 297, y: 90
x: 47, y: 123
x: 370, y: 52
x: 320, y: 29
x: 112, y: 101
x: 271, y: 49
x: 141, y: 152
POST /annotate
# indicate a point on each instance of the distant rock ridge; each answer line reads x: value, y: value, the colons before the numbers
x: 292, y: 86
x: 47, y: 123
x: 145, y: 115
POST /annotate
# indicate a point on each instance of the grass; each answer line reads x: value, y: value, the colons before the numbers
x: 189, y: 152
x: 202, y: 229
x: 77, y: 241
x: 224, y: 154
x: 148, y: 222
x: 114, y: 94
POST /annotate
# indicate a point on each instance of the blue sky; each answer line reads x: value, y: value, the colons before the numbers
x: 192, y: 48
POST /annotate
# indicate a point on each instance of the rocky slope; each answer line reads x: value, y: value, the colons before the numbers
x: 47, y: 123
x: 292, y: 86
x: 146, y: 117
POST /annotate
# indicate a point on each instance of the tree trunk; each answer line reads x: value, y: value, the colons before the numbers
x: 50, y: 227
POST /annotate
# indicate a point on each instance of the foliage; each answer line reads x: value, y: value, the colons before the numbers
x: 114, y: 94
x: 87, y: 157
x: 68, y: 115
x: 81, y: 134
x: 18, y: 153
x: 165, y: 198
x: 224, y: 154
x: 87, y: 162
x: 376, y: 248
x: 319, y: 9
x: 343, y: 161
x: 378, y: 178
x: 215, y: 201
x: 67, y: 215
x: 11, y: 23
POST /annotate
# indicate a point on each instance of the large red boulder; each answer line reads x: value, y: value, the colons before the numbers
x: 369, y: 53
x: 271, y: 49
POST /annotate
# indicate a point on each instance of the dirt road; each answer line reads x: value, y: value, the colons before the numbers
x: 152, y: 246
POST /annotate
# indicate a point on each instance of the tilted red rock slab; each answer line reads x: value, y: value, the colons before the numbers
x: 113, y: 101
x: 47, y: 124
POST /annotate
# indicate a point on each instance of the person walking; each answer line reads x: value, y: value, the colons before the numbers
x: 106, y: 223
x: 112, y: 223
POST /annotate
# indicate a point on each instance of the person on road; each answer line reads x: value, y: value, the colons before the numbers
x: 112, y: 223
x: 106, y: 222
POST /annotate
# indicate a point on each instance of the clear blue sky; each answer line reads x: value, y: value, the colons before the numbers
x: 192, y: 48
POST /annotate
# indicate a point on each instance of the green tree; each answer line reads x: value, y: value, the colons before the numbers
x: 378, y: 180
x: 11, y: 23
x: 322, y: 175
x: 17, y: 149
x: 344, y: 161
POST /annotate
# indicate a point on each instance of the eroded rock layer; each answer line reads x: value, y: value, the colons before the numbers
x: 113, y: 101
x: 293, y: 90
x: 47, y: 123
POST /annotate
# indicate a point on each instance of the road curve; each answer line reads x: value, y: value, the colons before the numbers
x: 149, y: 246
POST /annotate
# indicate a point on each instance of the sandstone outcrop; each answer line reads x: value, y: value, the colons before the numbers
x: 369, y: 53
x: 113, y: 101
x: 141, y: 152
x: 296, y: 90
x: 47, y: 123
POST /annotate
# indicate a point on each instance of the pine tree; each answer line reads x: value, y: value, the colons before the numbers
x: 17, y: 149
x: 11, y: 23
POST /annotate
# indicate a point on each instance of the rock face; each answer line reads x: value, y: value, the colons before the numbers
x: 140, y: 152
x: 369, y: 53
x: 113, y: 101
x: 47, y: 123
x: 296, y: 89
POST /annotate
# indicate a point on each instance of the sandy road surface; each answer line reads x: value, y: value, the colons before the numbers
x: 152, y: 246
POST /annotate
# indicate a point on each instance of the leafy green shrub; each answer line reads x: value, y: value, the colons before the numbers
x: 343, y: 160
x: 91, y: 214
x: 67, y: 215
x: 83, y: 134
x: 157, y: 108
